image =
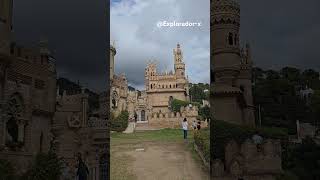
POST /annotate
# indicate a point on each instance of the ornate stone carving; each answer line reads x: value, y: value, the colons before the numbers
x: 74, y: 121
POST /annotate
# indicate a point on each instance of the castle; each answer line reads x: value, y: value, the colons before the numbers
x: 152, y: 105
x: 34, y: 118
x: 232, y: 101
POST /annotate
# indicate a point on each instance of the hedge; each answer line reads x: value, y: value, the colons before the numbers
x: 120, y: 123
x: 202, y: 140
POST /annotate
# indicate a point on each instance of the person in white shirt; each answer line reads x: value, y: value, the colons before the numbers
x: 185, y: 128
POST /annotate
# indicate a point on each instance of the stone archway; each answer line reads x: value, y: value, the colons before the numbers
x: 14, y: 131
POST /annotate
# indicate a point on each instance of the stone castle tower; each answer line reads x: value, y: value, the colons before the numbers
x: 231, y: 66
x: 113, y: 52
x: 6, y: 15
x: 179, y: 66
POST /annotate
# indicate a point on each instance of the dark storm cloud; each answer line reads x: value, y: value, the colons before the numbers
x: 77, y: 35
x: 282, y: 33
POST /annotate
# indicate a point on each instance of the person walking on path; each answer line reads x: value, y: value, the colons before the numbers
x: 185, y: 128
x: 199, y: 125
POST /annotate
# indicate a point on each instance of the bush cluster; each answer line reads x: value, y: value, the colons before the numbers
x: 120, y: 123
x: 202, y: 140
x: 44, y: 166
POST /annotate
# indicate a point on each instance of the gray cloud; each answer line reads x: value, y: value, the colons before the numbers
x: 281, y: 33
x: 138, y: 39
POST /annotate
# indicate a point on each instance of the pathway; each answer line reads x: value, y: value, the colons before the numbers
x: 157, y: 160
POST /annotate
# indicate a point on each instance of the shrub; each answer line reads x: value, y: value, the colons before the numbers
x: 202, y: 140
x: 176, y: 104
x: 45, y: 166
x: 6, y: 170
x: 204, y: 112
x: 120, y: 123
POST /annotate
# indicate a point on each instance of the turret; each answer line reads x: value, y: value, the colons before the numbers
x: 179, y: 66
x: 225, y: 46
x: 6, y: 9
x: 113, y: 52
x: 150, y: 74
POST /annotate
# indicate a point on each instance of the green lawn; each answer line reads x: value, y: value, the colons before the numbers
x: 163, y: 135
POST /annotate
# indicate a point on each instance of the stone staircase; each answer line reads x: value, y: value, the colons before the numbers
x: 130, y: 128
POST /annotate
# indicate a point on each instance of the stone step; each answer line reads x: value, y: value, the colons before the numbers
x: 130, y: 128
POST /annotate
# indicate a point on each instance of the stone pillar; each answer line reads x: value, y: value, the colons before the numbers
x: 21, y: 125
x: 139, y: 115
x: 4, y: 129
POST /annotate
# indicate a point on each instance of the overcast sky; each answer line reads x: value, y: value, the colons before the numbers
x: 281, y: 33
x: 138, y: 39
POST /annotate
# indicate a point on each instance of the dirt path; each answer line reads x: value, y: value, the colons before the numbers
x: 161, y: 161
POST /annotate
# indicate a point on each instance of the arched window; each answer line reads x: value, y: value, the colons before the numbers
x: 230, y: 39
x: 151, y: 86
x: 170, y: 86
x: 41, y: 142
x: 14, y: 112
x: 114, y: 99
x: 242, y: 88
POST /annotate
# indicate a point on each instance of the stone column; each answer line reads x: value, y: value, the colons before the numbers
x: 21, y: 125
x: 4, y: 129
x: 139, y: 115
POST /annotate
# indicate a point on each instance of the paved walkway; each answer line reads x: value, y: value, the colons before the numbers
x: 161, y: 161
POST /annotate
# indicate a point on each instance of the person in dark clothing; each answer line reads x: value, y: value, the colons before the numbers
x: 199, y: 125
x: 83, y: 170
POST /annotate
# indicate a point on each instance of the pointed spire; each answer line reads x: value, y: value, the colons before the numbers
x: 248, y: 53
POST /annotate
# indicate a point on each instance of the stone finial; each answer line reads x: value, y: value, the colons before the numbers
x: 235, y: 168
x: 64, y: 94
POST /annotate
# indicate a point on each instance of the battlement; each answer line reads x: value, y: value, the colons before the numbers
x: 249, y: 160
x: 35, y: 55
x: 173, y: 119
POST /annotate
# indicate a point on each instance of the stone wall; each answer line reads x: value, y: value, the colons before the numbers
x: 172, y: 119
x: 248, y: 161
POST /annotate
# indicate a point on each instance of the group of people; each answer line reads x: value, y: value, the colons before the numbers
x: 195, y: 126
